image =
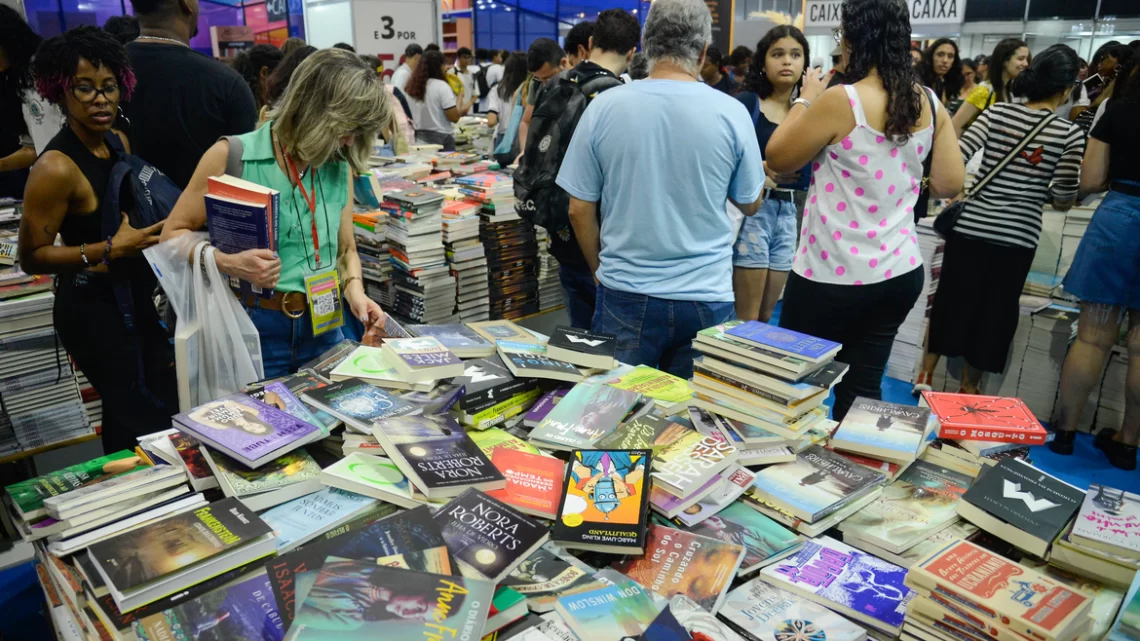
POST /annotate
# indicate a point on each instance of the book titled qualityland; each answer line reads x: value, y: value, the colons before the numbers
x: 488, y: 538
x: 818, y: 483
x: 605, y: 501
x: 28, y: 496
x: 762, y: 612
x: 248, y: 430
x: 784, y: 341
x: 679, y: 562
x: 884, y: 430
x: 588, y: 413
x: 358, y: 404
x: 437, y: 455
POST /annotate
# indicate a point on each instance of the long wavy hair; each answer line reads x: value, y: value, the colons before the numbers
x: 877, y: 34
x: 949, y: 85
x: 430, y: 66
x: 514, y: 74
x: 332, y: 94
x: 1001, y: 55
x: 756, y: 80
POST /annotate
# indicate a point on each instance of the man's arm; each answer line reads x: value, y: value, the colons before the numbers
x: 584, y: 220
x: 22, y: 158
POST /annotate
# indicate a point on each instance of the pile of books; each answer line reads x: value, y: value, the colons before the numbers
x: 92, y: 402
x: 1048, y: 252
x: 1103, y: 541
x: 423, y: 287
x: 549, y: 285
x: 1077, y: 222
x: 512, y: 250
x: 370, y: 229
x: 466, y: 259
x: 1052, y: 330
x: 1110, y: 396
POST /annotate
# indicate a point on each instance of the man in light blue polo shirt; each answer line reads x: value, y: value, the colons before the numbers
x: 662, y: 156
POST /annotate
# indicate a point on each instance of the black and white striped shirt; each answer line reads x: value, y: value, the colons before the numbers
x: 1008, y: 210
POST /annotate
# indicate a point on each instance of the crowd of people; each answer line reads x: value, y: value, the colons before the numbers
x: 700, y: 186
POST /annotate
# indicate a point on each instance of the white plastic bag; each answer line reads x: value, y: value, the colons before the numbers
x: 230, y: 353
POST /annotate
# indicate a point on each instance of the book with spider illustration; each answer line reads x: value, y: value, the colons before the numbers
x: 887, y: 431
x: 985, y: 418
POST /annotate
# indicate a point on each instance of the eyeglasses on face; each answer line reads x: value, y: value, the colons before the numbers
x: 87, y: 94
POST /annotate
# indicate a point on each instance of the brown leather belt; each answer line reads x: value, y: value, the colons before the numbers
x: 292, y: 304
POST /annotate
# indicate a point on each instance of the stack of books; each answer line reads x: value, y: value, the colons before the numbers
x: 494, y: 190
x: 1103, y: 542
x: 424, y: 290
x: 466, y: 259
x: 371, y: 231
x: 550, y: 293
x: 1052, y: 331
x: 92, y: 402
x: 511, y: 262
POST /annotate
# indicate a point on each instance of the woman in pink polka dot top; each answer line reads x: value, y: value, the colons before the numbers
x: 856, y: 272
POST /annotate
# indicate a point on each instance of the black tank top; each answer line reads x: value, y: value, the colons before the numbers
x: 87, y: 227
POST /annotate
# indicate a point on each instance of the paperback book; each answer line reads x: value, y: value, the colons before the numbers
x: 883, y: 430
x: 437, y: 455
x: 494, y: 439
x: 762, y: 612
x: 534, y: 482
x: 309, y: 517
x: 588, y: 413
x: 358, y: 404
x: 546, y: 575
x: 369, y: 475
x: 189, y: 452
x: 487, y: 537
x: 422, y: 359
x: 244, y: 609
x: 295, y: 473
x: 501, y: 330
x: 542, y: 406
x: 527, y: 359
x: 582, y: 347
x: 679, y: 562
x: 605, y: 503
x: 368, y: 364
x: 113, y: 490
x: 690, y: 461
x: 764, y: 540
x: 1109, y: 520
x: 28, y: 496
x: 649, y: 431
x: 463, y: 341
x: 611, y: 612
x: 784, y: 341
x: 734, y: 481
x: 248, y: 430
x: 486, y: 381
x: 277, y: 394
x: 815, y: 485
x: 683, y: 620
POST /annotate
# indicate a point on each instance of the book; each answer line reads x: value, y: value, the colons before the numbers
x: 277, y: 394
x: 843, y: 579
x: 527, y: 359
x: 648, y: 431
x: 1105, y: 600
x: 437, y: 455
x: 248, y: 430
x: 421, y: 359
x: 148, y: 563
x: 764, y: 540
x: 486, y: 382
x: 244, y: 609
x: 1109, y: 520
x: 762, y: 612
x: 605, y: 501
x: 27, y: 497
x: 670, y: 505
x: 498, y: 330
x: 463, y: 341
x: 412, y: 605
x: 816, y: 484
x: 494, y: 439
x: 1021, y: 504
x: 374, y: 476
x: 487, y: 537
x: 587, y: 413
x: 784, y: 341
x: 918, y: 505
x: 665, y: 389
x: 303, y: 519
x: 278, y: 481
x: 111, y: 491
x: 683, y: 620
x: 542, y: 406
x: 679, y: 562
x: 304, y: 382
x: 121, y: 525
x: 534, y: 482
x: 368, y: 364
x: 583, y: 348
x: 548, y: 574
x: 882, y: 430
x: 1126, y: 625
x: 690, y: 461
x: 734, y: 481
x: 617, y: 611
x: 190, y: 457
x: 985, y: 418
x: 507, y: 606
x: 358, y: 404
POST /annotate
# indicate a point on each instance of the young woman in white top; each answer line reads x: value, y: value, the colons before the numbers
x: 857, y: 272
x: 501, y: 105
x: 434, y: 105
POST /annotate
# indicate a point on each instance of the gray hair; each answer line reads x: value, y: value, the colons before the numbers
x: 677, y: 31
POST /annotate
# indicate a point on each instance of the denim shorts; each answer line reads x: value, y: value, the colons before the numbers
x: 1106, y: 268
x: 767, y: 239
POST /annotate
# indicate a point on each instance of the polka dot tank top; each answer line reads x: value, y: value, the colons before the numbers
x: 858, y: 224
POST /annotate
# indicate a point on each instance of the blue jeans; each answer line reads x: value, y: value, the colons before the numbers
x: 655, y: 331
x: 581, y: 293
x: 767, y: 239
x: 288, y: 343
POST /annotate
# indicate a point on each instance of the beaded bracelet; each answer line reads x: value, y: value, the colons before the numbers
x: 107, y: 253
x: 83, y: 254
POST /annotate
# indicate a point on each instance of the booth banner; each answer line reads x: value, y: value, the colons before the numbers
x: 722, y: 13
x: 826, y: 13
x: 389, y: 26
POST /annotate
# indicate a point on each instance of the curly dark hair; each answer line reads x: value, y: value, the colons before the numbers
x: 430, y: 66
x: 58, y: 58
x: 124, y: 28
x: 19, y: 43
x: 756, y: 80
x: 877, y: 33
x: 949, y: 85
x: 1001, y: 55
x: 278, y: 80
x: 250, y: 62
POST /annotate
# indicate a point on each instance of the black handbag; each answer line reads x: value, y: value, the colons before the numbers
x: 922, y: 205
x: 945, y: 222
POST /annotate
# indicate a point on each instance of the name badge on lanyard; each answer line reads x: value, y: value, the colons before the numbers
x: 322, y: 288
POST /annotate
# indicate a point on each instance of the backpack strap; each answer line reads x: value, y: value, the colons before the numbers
x: 234, y: 164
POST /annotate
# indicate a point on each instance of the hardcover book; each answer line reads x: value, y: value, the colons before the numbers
x: 421, y: 359
x: 846, y: 580
x: 985, y: 418
x: 463, y: 341
x: 437, y: 455
x: 248, y: 430
x: 487, y: 537
x: 359, y: 404
x: 784, y: 341
x: 762, y: 612
x: 303, y: 519
x: 664, y: 388
x: 690, y: 461
x: 28, y: 496
x: 581, y: 347
x: 605, y: 503
x: 617, y: 611
x: 883, y: 430
x: 816, y: 484
x: 534, y: 482
x: 921, y: 502
x: 374, y: 476
x: 648, y: 432
x: 1109, y: 520
x: 764, y: 540
x: 243, y: 609
x: 526, y: 359
x: 486, y: 381
x: 584, y: 416
x: 679, y: 562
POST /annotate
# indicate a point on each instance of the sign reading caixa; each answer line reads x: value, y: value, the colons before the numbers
x: 826, y: 13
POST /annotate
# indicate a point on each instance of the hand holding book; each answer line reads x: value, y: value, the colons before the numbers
x: 260, y: 267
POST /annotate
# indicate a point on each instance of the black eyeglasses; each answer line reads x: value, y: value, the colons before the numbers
x: 87, y: 94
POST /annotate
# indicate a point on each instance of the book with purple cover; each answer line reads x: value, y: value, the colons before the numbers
x: 248, y: 430
x: 784, y: 341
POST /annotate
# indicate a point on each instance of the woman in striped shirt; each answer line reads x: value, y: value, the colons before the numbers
x: 989, y: 254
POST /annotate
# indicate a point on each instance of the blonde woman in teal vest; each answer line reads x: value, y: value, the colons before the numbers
x: 320, y: 131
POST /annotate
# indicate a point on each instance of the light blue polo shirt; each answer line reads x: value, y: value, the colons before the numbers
x: 662, y: 157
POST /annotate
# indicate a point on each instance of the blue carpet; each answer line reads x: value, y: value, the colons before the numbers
x: 25, y: 610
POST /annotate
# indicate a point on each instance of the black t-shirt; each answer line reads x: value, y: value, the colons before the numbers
x: 183, y: 102
x: 726, y: 84
x: 1119, y: 128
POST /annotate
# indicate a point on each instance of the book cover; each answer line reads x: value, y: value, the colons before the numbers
x: 922, y: 501
x: 189, y: 450
x: 647, y: 432
x: 690, y: 461
x: 247, y: 429
x: 660, y: 386
x: 1110, y: 518
x: 376, y: 473
x: 357, y: 401
x: 686, y: 620
x: 791, y: 367
x: 459, y: 338
x: 605, y: 499
x: 585, y: 415
x: 487, y: 537
x: 734, y: 481
x: 679, y: 562
x: 985, y: 418
x: 543, y: 405
x: 303, y: 518
x: 531, y: 359
x: 425, y: 355
x: 241, y: 610
x: 362, y: 600
x: 138, y: 556
x: 370, y: 365
x: 436, y: 453
x: 783, y: 340
x: 544, y: 576
x: 487, y: 381
x: 617, y: 611
x: 888, y: 429
x: 762, y: 538
x: 498, y: 330
x: 837, y: 575
x: 494, y: 439
x: 28, y: 496
x: 295, y: 467
x: 323, y: 365
x: 766, y: 613
x: 816, y: 484
x: 1026, y: 498
x: 580, y: 340
x: 1105, y: 600
x: 277, y: 394
x: 236, y: 226
x: 302, y: 383
x: 534, y: 481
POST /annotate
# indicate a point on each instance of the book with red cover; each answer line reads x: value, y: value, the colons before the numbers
x: 1000, y: 419
x: 534, y: 482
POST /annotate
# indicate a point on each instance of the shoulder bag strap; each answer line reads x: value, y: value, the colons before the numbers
x: 234, y: 165
x: 978, y: 186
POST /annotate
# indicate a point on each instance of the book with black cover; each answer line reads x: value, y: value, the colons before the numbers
x: 605, y: 501
x: 487, y: 537
x: 581, y: 347
x: 488, y: 380
x: 437, y: 455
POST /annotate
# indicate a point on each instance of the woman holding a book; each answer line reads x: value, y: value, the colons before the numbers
x: 322, y: 128
x: 858, y: 270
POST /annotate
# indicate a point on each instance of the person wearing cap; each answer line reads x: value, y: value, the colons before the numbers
x: 838, y: 67
x: 412, y: 55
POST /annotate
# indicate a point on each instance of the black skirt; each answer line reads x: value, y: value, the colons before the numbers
x: 976, y: 306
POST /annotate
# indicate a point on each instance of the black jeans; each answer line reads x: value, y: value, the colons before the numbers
x: 864, y: 318
x: 92, y: 330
